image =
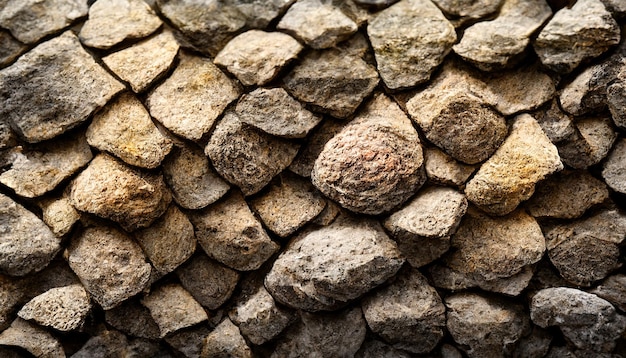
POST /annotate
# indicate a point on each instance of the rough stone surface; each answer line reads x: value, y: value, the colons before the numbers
x: 507, y: 178
x: 133, y: 319
x: 10, y: 48
x: 556, y: 124
x: 32, y: 338
x: 189, y: 341
x: 59, y: 214
x: 53, y: 88
x: 462, y: 12
x: 616, y: 98
x: 189, y: 101
x: 225, y: 341
x: 377, y: 349
x: 375, y: 163
x: 534, y: 345
x: 208, y: 281
x: 616, y: 7
x: 613, y: 289
x: 62, y: 308
x: 450, y: 279
x: 410, y: 39
x: 590, y: 143
x: 304, y: 162
x: 443, y: 169
x: 613, y: 170
x: 11, y: 297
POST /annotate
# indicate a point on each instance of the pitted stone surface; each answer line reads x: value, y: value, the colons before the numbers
x: 62, y: 308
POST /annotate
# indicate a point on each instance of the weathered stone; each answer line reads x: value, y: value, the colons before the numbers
x: 555, y: 123
x: 507, y: 178
x: 616, y: 7
x: 144, y: 63
x: 38, y: 169
x: 443, y: 169
x: 613, y: 170
x: 616, y: 98
x: 613, y: 289
x: 106, y: 343
x: 328, y: 215
x: 255, y: 57
x: 449, y: 279
x: 31, y: 20
x: 410, y: 39
x: 26, y: 244
x: 12, y: 296
x: 240, y: 154
x: 10, y: 48
x: 377, y: 349
x: 462, y: 12
x: 591, y: 142
x: 324, y: 268
x: 229, y: 233
x: 109, y: 263
x: 59, y: 214
x: 333, y: 81
x: 499, y: 43
x: 133, y: 319
x: 7, y: 136
x: 408, y: 313
x: 32, y: 338
x: 208, y: 281
x: 559, y: 44
x: 190, y: 100
x: 487, y: 326
x: 57, y: 274
x: 534, y: 345
x: 189, y: 341
x: 259, y: 13
x: 53, y: 88
x: 375, y: 163
x: 62, y: 308
x: 225, y: 341
x: 304, y: 162
x: 449, y: 351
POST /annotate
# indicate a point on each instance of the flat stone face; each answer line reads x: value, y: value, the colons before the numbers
x: 189, y: 101
x: 62, y: 308
x: 32, y: 338
x: 461, y: 12
x: 410, y: 39
x: 59, y: 214
x: 53, y: 88
x: 446, y: 278
x: 616, y: 98
x: 613, y: 169
x: 590, y: 143
x: 133, y: 319
x: 225, y: 338
x: 613, y: 289
x: 555, y: 123
x: 443, y: 169
x: 303, y: 163
x: 208, y: 281
x: 10, y: 48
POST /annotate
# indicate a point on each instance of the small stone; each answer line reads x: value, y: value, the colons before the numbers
x: 241, y: 154
x: 62, y: 308
x: 555, y: 123
x: 288, y: 205
x: 507, y: 178
x: 534, y: 345
x: 110, y: 265
x: 324, y: 268
x: 57, y: 274
x: 318, y: 24
x: 443, y: 169
x: 613, y: 289
x: 591, y: 142
x: 616, y: 98
x: 462, y: 12
x: 487, y: 327
x: 225, y: 341
x: 328, y: 215
x: 59, y: 214
x: 377, y: 349
x: 106, y: 343
x: 275, y: 112
x: 190, y: 100
x: 10, y: 48
x: 304, y: 162
x: 168, y: 242
x: 229, y: 233
x: 32, y: 338
x: 208, y: 281
x: 145, y: 62
x: 260, y: 13
x: 410, y: 39
x: 255, y: 57
x: 408, y: 313
x: 559, y: 45
x: 449, y: 279
x: 53, y: 88
x: 38, y: 169
x: 189, y: 341
x: 26, y: 244
x: 133, y: 319
x: 375, y: 163
x: 31, y: 20
x: 7, y: 136
x: 613, y: 170
x: 332, y: 81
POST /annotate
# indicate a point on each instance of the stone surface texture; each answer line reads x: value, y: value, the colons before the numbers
x: 225, y: 341
x: 62, y: 308
x: 208, y: 281
x: 613, y: 169
x: 32, y: 338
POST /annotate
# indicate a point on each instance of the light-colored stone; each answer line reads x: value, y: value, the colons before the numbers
x: 613, y: 169
x: 208, y: 281
x: 590, y: 143
x: 32, y: 338
x: 443, y: 169
x: 59, y: 214
x: 189, y: 341
x: 133, y: 319
x: 613, y: 289
x: 62, y: 308
x: 555, y: 123
x: 464, y: 11
x: 303, y: 163
x: 10, y: 48
x: 225, y: 341
x: 450, y: 279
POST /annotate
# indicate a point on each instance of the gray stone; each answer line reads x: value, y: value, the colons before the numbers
x: 317, y: 23
x: 208, y: 281
x: 324, y: 268
x: 613, y: 289
x: 590, y: 143
x: 240, y: 154
x: 378, y: 349
x: 110, y: 265
x: 559, y: 45
x: 449, y: 279
x: 229, y: 233
x: 37, y: 169
x: 616, y: 98
x: 53, y: 88
x: 260, y: 13
x: 443, y: 169
x: 31, y: 20
x: 106, y: 343
x: 26, y: 244
x: 555, y: 123
x: 410, y: 39
x: 7, y: 136
x: 32, y: 338
x: 507, y: 178
x: 304, y: 162
x: 133, y: 319
x: 145, y: 62
x: 57, y: 274
x: 225, y: 341
x: 375, y: 163
x: 534, y: 345
x: 59, y: 214
x: 465, y: 11
x: 10, y: 48
x: 256, y: 57
x: 189, y: 341
x: 616, y: 7
x: 62, y: 308
x: 189, y: 101
x: 613, y: 168
x: 449, y: 351
x: 12, y: 296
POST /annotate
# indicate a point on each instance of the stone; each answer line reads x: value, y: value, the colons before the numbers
x: 328, y: 214
x: 7, y: 136
x: 240, y: 154
x: 10, y: 48
x: 133, y: 319
x: 256, y: 57
x: 567, y: 195
x: 144, y: 63
x: 273, y: 111
x: 12, y: 296
x: 303, y: 163
x: 173, y: 308
x: 195, y: 94
x: 26, y: 244
x: 62, y: 308
x: 59, y: 214
x: 586, y: 320
x: 110, y: 265
x: 189, y: 341
x: 32, y: 338
x: 35, y: 170
x: 559, y: 45
x: 534, y: 345
x: 57, y: 274
x: 288, y: 205
x: 106, y: 343
x: 502, y: 42
x: 377, y: 349
x: 317, y: 23
x: 208, y: 281
x: 260, y: 13
x: 590, y: 143
x: 447, y: 278
x: 375, y: 163
x: 225, y: 341
x: 408, y: 313
x: 324, y: 268
x: 616, y: 7
x: 485, y: 326
x: 331, y: 81
x: 555, y: 123
x: 115, y: 191
x: 30, y: 21
x: 616, y: 98
x: 113, y: 21
x: 445, y: 170
x: 168, y: 242
x: 229, y: 233
x: 54, y: 87
x: 613, y: 289
x: 509, y: 176
x: 410, y: 40
x: 613, y: 168
x: 188, y: 174
x: 338, y: 334
x: 376, y: 4
x: 462, y: 12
